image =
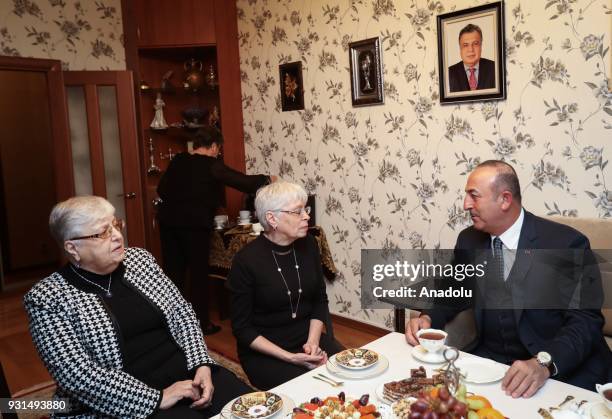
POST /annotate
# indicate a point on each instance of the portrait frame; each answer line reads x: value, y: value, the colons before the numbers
x: 292, y: 94
x: 366, y: 83
x: 452, y: 72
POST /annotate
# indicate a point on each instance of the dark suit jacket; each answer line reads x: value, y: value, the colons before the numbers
x: 574, y: 338
x: 458, y: 81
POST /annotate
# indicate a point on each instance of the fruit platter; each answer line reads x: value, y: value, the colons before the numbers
x: 438, y: 403
x: 337, y: 407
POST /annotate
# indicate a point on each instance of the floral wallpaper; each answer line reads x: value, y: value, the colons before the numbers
x: 392, y: 176
x: 84, y: 35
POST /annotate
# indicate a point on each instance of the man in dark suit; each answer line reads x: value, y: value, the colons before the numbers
x: 559, y: 342
x: 472, y: 72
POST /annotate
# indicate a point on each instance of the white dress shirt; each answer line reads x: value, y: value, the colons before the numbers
x: 510, y: 240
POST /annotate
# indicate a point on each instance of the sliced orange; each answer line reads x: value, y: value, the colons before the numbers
x: 489, y: 413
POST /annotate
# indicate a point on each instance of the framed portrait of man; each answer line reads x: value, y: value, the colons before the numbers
x: 291, y: 86
x: 366, y: 72
x: 471, y: 54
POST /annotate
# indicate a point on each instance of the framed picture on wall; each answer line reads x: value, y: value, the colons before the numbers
x: 471, y: 57
x: 292, y: 86
x: 366, y: 72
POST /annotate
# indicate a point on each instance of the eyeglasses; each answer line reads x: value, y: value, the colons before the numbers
x: 299, y: 211
x: 117, y: 224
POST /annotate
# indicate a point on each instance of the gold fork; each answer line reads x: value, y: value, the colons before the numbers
x: 330, y: 379
x: 330, y: 382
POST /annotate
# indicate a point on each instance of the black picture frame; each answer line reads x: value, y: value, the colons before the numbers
x: 291, y: 86
x: 453, y: 59
x: 366, y: 72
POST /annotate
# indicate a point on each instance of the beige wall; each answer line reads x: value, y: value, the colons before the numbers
x: 84, y: 35
x: 393, y: 175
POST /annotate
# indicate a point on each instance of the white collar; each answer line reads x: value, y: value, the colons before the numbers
x: 510, y: 237
x: 475, y: 67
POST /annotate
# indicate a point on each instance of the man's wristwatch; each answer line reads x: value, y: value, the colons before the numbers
x: 545, y: 360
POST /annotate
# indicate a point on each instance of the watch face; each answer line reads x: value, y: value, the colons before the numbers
x: 544, y: 358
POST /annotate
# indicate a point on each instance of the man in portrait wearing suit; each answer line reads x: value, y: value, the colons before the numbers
x: 566, y: 344
x: 473, y: 72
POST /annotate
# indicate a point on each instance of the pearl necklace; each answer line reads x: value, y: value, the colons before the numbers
x: 297, y: 269
x: 108, y: 293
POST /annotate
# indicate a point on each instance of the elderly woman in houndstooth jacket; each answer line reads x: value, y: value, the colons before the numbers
x: 114, y: 331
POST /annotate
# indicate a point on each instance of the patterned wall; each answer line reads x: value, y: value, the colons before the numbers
x: 84, y: 35
x: 392, y: 176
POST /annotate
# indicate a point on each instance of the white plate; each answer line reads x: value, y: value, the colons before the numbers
x: 288, y: 405
x: 420, y: 354
x: 481, y: 371
x: 600, y: 411
x: 244, y: 223
x: 252, y: 233
x: 339, y: 371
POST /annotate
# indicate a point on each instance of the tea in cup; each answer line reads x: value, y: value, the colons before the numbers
x: 605, y: 390
x: 432, y: 340
x: 257, y: 228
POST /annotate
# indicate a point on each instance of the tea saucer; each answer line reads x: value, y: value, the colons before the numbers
x: 252, y: 233
x: 419, y: 353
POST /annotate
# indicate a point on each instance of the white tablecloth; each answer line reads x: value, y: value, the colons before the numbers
x: 397, y: 351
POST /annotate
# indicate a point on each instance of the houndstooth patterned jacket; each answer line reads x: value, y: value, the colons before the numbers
x: 75, y: 337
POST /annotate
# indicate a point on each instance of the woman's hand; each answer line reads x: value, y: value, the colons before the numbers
x: 306, y: 360
x: 312, y: 348
x: 203, y: 383
x: 177, y: 391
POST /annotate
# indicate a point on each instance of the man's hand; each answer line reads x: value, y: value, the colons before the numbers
x: 414, y: 325
x: 524, y: 378
x: 202, y: 382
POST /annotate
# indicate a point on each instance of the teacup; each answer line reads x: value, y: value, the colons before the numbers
x: 245, y: 215
x: 432, y: 340
x: 605, y: 390
x: 257, y: 228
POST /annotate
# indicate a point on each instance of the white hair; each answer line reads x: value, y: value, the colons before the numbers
x: 274, y: 197
x: 75, y: 216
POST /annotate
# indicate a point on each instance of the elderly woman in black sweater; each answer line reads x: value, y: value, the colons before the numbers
x: 279, y: 303
x: 114, y: 332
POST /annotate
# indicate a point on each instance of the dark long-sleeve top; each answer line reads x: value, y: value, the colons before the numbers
x: 79, y: 342
x: 260, y: 304
x: 192, y: 189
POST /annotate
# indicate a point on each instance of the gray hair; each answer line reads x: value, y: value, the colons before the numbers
x: 73, y: 217
x: 274, y: 197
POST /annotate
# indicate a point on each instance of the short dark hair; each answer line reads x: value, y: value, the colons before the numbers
x: 470, y: 27
x: 206, y: 137
x: 505, y: 179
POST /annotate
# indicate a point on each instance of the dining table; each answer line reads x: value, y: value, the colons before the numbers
x: 394, y: 348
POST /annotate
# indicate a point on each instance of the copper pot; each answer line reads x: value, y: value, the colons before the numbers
x: 194, y: 77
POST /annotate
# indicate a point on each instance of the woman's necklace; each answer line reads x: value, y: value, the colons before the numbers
x: 297, y: 269
x: 108, y: 293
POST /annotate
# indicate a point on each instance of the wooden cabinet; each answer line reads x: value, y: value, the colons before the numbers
x: 164, y: 23
x: 160, y: 36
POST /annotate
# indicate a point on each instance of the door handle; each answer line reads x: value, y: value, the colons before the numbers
x: 129, y: 195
